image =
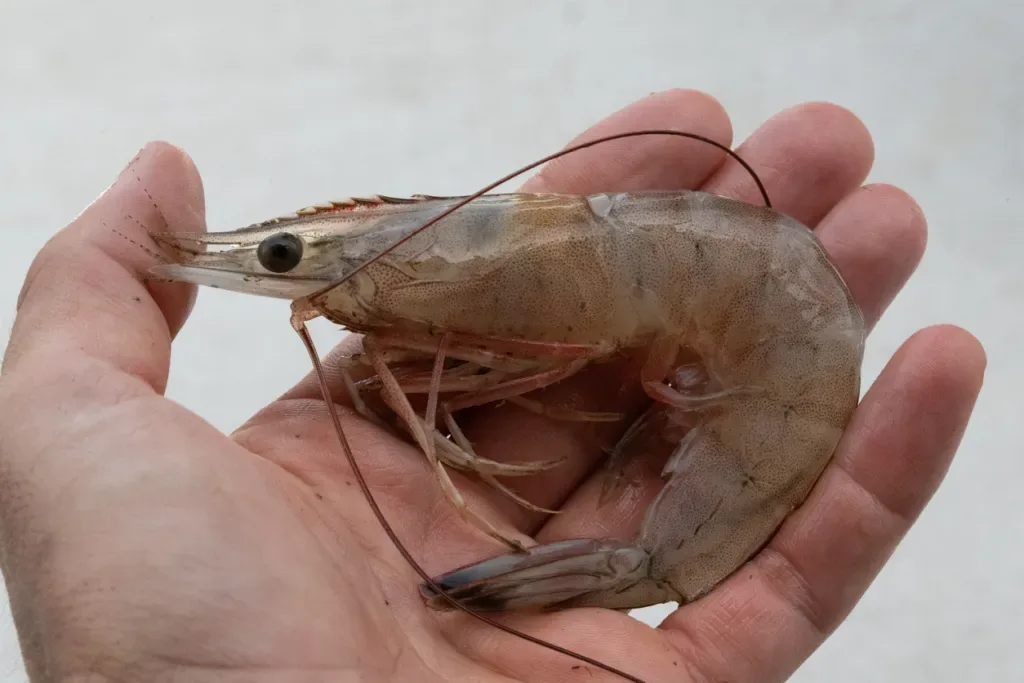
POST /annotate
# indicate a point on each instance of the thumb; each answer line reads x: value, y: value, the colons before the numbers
x: 84, y: 293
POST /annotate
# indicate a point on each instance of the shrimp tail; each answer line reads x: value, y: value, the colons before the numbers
x: 548, y: 577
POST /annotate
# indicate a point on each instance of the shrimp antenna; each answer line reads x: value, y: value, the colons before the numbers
x: 302, y: 310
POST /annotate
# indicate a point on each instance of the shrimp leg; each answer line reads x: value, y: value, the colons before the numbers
x: 394, y: 397
x: 695, y: 392
x: 460, y: 454
x: 489, y: 477
x: 452, y: 382
x: 564, y: 414
x: 467, y: 348
x: 693, y: 401
x: 454, y: 455
x: 520, y: 385
x: 344, y: 366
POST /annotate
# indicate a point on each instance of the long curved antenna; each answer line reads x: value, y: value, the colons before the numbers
x: 568, y: 150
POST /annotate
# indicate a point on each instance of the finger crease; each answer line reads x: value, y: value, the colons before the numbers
x: 695, y: 651
x: 782, y: 577
x: 900, y: 519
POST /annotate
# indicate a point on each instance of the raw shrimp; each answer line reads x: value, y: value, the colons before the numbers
x: 780, y: 339
x: 515, y: 292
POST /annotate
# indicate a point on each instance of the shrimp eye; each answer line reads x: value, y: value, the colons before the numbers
x: 280, y: 253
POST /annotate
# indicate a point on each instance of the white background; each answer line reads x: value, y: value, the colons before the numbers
x: 286, y: 104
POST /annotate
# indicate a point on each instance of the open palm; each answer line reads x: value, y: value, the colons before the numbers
x: 140, y: 543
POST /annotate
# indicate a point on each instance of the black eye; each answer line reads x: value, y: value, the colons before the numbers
x: 280, y: 253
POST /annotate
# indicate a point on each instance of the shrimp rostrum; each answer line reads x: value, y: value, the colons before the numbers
x: 515, y: 292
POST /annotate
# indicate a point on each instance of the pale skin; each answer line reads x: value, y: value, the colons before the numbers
x: 141, y: 544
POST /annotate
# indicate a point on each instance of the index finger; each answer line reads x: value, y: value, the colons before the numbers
x: 649, y: 162
x: 85, y: 294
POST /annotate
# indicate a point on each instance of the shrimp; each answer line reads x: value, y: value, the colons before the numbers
x: 519, y: 291
x: 753, y: 295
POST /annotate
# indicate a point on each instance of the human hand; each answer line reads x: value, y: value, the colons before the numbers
x: 140, y: 543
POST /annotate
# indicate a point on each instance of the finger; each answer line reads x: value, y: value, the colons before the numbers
x: 765, y: 620
x: 83, y: 293
x: 655, y: 162
x: 876, y: 237
x: 808, y: 157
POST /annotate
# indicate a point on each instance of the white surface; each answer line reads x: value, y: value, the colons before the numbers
x: 285, y: 104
